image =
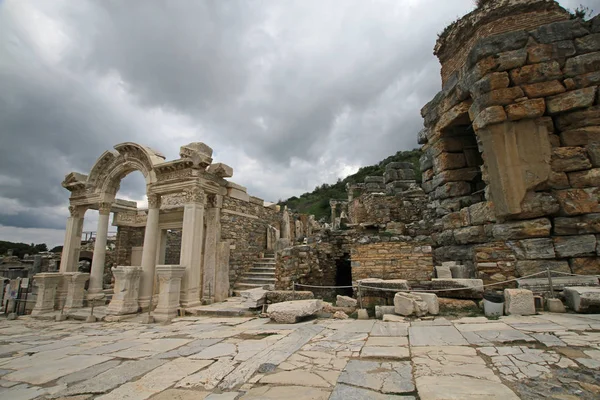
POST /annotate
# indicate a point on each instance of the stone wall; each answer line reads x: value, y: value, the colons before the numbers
x: 244, y: 225
x: 379, y: 208
x: 173, y: 249
x: 127, y: 237
x: 532, y: 101
x: 392, y: 260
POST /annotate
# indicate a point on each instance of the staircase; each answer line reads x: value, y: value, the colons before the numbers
x: 262, y: 273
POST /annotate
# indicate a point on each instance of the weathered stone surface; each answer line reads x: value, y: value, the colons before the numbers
x: 254, y: 298
x: 454, y: 116
x: 221, y: 170
x: 522, y: 229
x: 407, y: 304
x: 345, y: 301
x: 583, y: 299
x: 588, y: 223
x: 541, y: 285
x: 489, y: 116
x: 511, y: 59
x: 272, y: 392
x: 443, y: 272
x: 584, y: 179
x: 362, y: 314
x: 340, y: 315
x: 543, y: 89
x: 538, y: 204
x: 588, y: 44
x: 567, y: 159
x: 385, y: 377
x: 279, y: 296
x: 579, y: 201
x: 555, y: 306
x: 581, y: 136
x: 582, y: 64
x: 290, y: 312
x: 380, y: 311
x: 528, y: 267
x: 445, y: 161
x: 470, y: 234
x: 502, y: 97
x: 425, y: 336
x: 582, y: 81
x: 536, y: 73
x: 557, y: 31
x: 572, y: 100
x: 526, y: 109
x: 579, y: 119
x: 495, y: 44
x: 482, y: 213
x: 208, y: 378
x: 593, y: 150
x: 547, y: 52
x: 585, y: 265
x: 518, y: 302
x: 531, y: 249
x: 452, y: 189
x: 431, y: 299
x: 493, y: 81
x: 471, y: 288
x: 455, y: 304
x: 574, y: 246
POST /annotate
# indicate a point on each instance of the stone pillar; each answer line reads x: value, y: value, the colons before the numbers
x: 75, y: 289
x: 222, y: 274
x: 191, y: 245
x: 161, y: 253
x: 169, y: 278
x: 98, y: 261
x: 151, y: 237
x: 47, y: 284
x: 69, y: 260
x: 211, y: 241
x: 333, y: 216
x: 126, y: 291
x: 286, y: 232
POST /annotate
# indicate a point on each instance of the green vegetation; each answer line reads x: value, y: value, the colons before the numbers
x: 317, y: 201
x: 20, y: 249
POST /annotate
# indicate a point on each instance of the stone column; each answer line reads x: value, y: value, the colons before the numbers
x: 126, y: 292
x: 222, y: 273
x: 75, y: 289
x: 151, y: 237
x: 161, y: 253
x: 47, y: 284
x: 211, y: 241
x: 286, y: 232
x: 69, y: 260
x: 169, y: 278
x: 191, y: 245
x: 333, y: 206
x: 98, y: 261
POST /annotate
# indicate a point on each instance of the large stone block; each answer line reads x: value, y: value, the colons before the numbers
x: 489, y: 116
x: 380, y: 311
x: 495, y: 44
x: 582, y: 64
x: 538, y: 204
x: 593, y: 150
x: 558, y: 31
x: 511, y: 59
x: 47, y: 284
x: 221, y: 170
x: 531, y: 249
x: 345, y: 301
x: 493, y: 81
x: 579, y: 201
x: 578, y: 119
x: 526, y: 109
x: 470, y: 234
x: 570, y: 101
x: 583, y: 299
x: 546, y: 52
x: 580, y: 225
x: 279, y: 296
x: 581, y: 136
x: 518, y: 302
x: 585, y: 265
x: 582, y: 179
x: 498, y: 97
x: 431, y: 299
x: 588, y: 44
x: 584, y: 80
x: 408, y: 304
x: 575, y: 246
x: 254, y: 298
x: 169, y: 278
x: 446, y: 161
x: 290, y: 312
x: 75, y: 290
x: 567, y: 159
x: 541, y: 72
x: 482, y: 213
x: 452, y: 189
x: 126, y: 290
x: 528, y: 267
x: 443, y: 272
x: 522, y: 229
x: 542, y: 285
x: 543, y: 89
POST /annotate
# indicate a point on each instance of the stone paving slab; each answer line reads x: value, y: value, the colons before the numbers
x: 435, y: 336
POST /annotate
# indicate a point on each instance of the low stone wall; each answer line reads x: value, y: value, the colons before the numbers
x: 392, y: 260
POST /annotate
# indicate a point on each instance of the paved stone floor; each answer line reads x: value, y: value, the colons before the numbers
x: 553, y: 356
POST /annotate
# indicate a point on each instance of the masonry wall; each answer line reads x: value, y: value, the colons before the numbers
x: 127, y: 237
x: 532, y: 100
x: 244, y: 225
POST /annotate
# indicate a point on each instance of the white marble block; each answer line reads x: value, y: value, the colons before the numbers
x: 47, y: 283
x: 75, y: 282
x: 126, y: 291
x: 519, y: 302
x: 169, y: 278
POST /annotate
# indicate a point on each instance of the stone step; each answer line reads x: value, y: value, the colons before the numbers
x: 264, y: 263
x: 263, y: 270
x: 259, y: 274
x: 245, y: 286
x: 258, y: 281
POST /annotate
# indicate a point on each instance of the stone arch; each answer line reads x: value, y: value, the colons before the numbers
x: 114, y: 165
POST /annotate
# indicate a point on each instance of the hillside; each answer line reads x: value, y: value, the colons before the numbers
x: 317, y: 201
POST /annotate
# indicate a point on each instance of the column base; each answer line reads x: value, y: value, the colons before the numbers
x: 208, y: 300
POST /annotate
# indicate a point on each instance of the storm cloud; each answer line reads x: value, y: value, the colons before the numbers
x: 291, y: 94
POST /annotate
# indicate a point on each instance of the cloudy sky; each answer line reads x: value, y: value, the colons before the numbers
x: 291, y: 94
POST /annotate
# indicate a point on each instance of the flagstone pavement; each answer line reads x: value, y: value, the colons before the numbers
x: 554, y: 356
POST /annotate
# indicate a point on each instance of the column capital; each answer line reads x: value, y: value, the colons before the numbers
x: 104, y: 208
x: 194, y: 194
x: 214, y: 200
x: 154, y: 200
x: 77, y: 211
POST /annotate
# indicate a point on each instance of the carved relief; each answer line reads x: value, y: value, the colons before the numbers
x: 77, y: 211
x: 173, y: 200
x: 154, y: 201
x: 194, y: 194
x: 104, y: 208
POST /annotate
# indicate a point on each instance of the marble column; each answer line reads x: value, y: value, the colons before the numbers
x: 286, y: 232
x: 191, y: 245
x: 47, y: 284
x: 333, y: 206
x: 169, y: 278
x: 222, y: 272
x: 161, y: 253
x: 98, y: 261
x: 151, y: 237
x: 75, y: 289
x: 126, y: 291
x: 211, y: 242
x: 69, y: 260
